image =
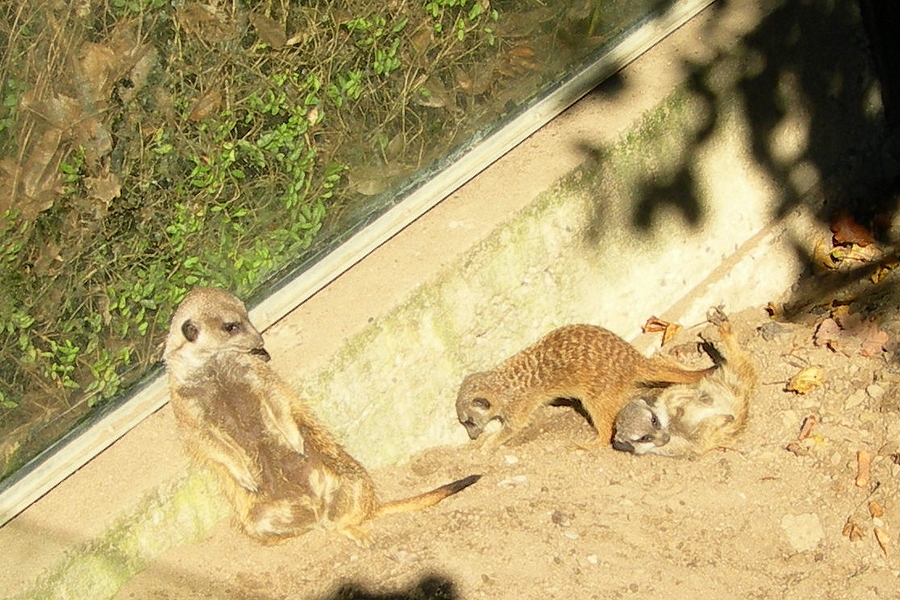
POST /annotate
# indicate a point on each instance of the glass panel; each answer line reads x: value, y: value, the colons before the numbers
x: 148, y: 146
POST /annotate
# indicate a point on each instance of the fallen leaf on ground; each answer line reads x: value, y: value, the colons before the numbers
x: 822, y: 255
x: 655, y: 325
x: 884, y: 540
x: 847, y: 231
x: 270, y: 31
x: 843, y: 331
x: 883, y: 270
x: 863, y: 254
x: 206, y: 105
x: 806, y: 380
x: 103, y: 188
x: 875, y: 510
x: 852, y: 530
x: 807, y: 427
x: 829, y: 334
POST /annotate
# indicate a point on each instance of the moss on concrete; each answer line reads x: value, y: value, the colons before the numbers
x: 391, y: 390
x: 181, y: 512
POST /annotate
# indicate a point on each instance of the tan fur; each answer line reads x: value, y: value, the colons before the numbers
x: 281, y: 470
x: 691, y: 419
x: 577, y: 362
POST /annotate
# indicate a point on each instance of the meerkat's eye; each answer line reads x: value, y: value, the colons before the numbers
x: 645, y: 439
x: 232, y: 327
x: 481, y: 403
x: 654, y: 420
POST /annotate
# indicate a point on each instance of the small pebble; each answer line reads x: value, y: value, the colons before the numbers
x: 855, y: 399
x: 512, y: 481
x: 875, y: 391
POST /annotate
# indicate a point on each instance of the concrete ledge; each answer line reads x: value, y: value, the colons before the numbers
x: 662, y: 193
x: 574, y: 255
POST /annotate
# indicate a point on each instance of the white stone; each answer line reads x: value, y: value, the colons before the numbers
x: 804, y: 532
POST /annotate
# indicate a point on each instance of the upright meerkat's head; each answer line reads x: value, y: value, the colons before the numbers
x: 641, y: 426
x: 479, y: 405
x: 208, y: 322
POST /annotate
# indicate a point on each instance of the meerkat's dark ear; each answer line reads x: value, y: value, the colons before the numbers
x: 190, y: 331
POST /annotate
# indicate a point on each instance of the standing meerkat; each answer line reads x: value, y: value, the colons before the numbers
x: 691, y: 419
x: 577, y: 362
x: 281, y: 470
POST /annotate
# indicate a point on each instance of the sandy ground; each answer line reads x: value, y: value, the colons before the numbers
x: 546, y: 521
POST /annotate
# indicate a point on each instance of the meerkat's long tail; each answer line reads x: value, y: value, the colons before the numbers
x: 427, y: 499
x: 661, y: 372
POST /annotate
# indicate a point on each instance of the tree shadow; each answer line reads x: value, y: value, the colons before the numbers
x: 805, y: 81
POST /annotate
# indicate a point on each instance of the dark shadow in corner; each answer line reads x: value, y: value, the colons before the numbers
x: 817, y: 68
x: 805, y: 58
x: 429, y: 587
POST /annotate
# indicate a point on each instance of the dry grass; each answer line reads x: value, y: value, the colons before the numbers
x: 147, y: 146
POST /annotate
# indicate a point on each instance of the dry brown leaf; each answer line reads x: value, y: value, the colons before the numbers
x: 104, y: 188
x: 100, y: 65
x: 270, y: 31
x: 668, y: 329
x: 654, y: 325
x: 49, y: 260
x: 822, y: 255
x: 847, y: 231
x: 845, y: 330
x: 841, y: 313
x: 829, y: 334
x: 38, y: 177
x: 852, y: 530
x: 207, y: 23
x: 205, y: 105
x: 874, y: 343
x: 521, y: 51
x: 670, y: 332
x: 863, y: 469
x: 875, y: 510
x: 856, y: 253
x: 806, y: 380
x: 59, y: 112
x: 774, y: 310
x: 807, y: 427
x: 883, y: 270
x: 883, y: 538
x: 147, y: 60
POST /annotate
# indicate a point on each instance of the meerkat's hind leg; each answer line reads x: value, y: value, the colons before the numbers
x: 274, y: 522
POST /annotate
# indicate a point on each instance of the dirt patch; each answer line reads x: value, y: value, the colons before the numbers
x: 546, y: 521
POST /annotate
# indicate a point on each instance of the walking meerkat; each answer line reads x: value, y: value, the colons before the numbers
x: 576, y: 362
x: 691, y: 419
x: 281, y: 470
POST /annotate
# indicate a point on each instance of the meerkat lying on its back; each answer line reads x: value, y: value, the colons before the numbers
x: 281, y: 470
x: 690, y: 419
x: 577, y: 362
